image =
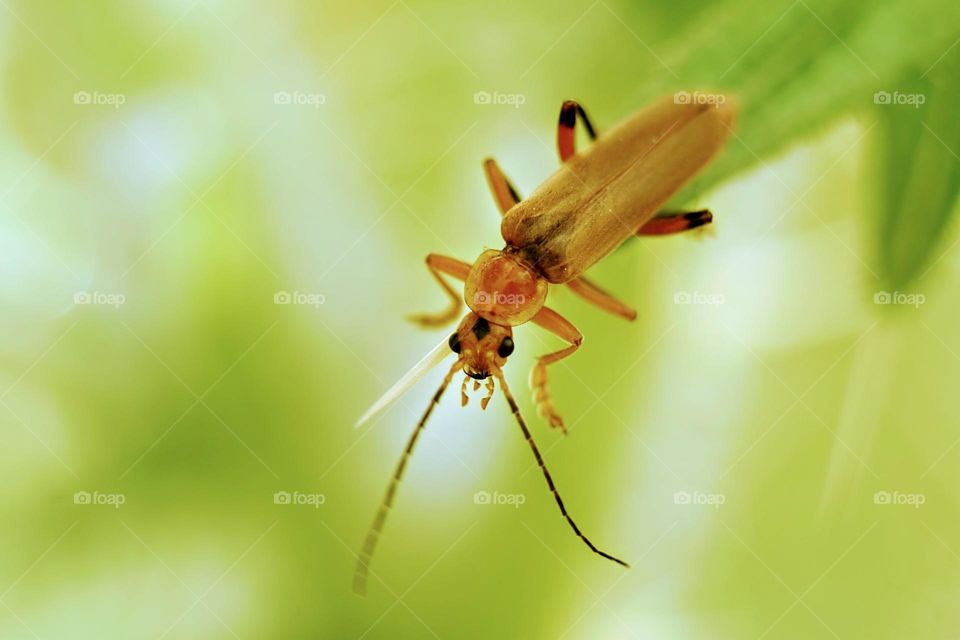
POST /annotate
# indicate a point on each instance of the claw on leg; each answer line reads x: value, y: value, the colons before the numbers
x: 559, y: 326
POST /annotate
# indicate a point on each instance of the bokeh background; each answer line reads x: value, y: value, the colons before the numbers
x: 777, y: 459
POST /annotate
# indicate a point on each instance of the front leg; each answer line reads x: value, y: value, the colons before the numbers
x: 439, y: 265
x: 559, y: 326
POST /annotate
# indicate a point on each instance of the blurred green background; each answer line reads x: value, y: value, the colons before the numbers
x: 777, y: 459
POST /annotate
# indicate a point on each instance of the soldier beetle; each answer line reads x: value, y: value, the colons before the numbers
x: 598, y: 198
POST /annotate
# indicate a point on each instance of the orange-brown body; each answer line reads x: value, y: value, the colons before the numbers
x: 593, y: 203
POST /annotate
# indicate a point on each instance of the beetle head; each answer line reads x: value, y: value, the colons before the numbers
x: 483, y: 346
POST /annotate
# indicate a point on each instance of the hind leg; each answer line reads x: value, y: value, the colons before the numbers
x: 666, y: 223
x: 596, y: 296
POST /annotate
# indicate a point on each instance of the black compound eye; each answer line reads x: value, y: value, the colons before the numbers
x: 506, y: 347
x: 454, y: 342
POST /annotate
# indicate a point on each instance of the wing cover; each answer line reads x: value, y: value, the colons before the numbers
x: 601, y: 196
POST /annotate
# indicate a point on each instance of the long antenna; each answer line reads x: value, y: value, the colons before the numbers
x: 373, y: 534
x: 546, y: 474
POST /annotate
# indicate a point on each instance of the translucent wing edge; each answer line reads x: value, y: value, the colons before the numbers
x: 429, y: 361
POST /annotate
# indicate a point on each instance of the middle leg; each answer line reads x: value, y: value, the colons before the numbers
x: 566, y: 128
x: 503, y: 192
x: 596, y: 296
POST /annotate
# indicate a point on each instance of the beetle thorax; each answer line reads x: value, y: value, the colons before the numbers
x: 504, y: 289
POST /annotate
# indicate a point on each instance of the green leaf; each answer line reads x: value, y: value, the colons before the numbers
x: 816, y: 63
x: 919, y: 172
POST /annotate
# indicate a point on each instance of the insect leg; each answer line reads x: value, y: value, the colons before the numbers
x: 439, y: 265
x: 503, y: 191
x: 546, y: 474
x: 373, y: 534
x: 675, y: 222
x: 560, y: 326
x: 566, y: 129
x: 600, y: 298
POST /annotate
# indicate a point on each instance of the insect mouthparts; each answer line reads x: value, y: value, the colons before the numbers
x: 478, y: 375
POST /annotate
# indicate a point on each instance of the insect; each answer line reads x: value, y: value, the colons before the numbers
x: 612, y: 190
